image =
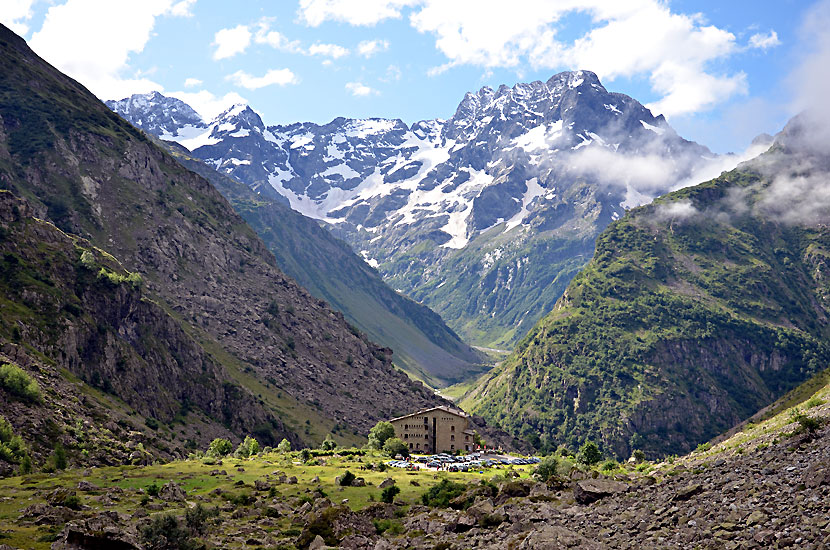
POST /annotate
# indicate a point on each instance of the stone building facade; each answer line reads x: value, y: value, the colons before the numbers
x: 435, y: 430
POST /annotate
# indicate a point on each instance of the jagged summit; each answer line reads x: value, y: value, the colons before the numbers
x: 513, y: 168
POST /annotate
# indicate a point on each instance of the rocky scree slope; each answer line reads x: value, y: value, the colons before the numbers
x: 94, y: 175
x: 696, y: 311
x: 422, y: 344
x: 484, y: 217
x: 110, y: 363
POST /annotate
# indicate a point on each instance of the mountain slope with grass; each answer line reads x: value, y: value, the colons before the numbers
x: 423, y: 345
x: 82, y: 167
x: 695, y: 312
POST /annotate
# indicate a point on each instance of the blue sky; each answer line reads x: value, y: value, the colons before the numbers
x: 720, y: 71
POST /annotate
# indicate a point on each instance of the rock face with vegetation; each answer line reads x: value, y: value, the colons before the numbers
x: 103, y: 365
x: 81, y: 167
x: 696, y: 311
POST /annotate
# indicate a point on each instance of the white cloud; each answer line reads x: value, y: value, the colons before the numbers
x: 368, y: 48
x: 183, y: 8
x: 88, y: 40
x: 16, y: 14
x: 628, y: 38
x: 328, y: 50
x: 393, y: 74
x: 192, y: 82
x: 279, y: 77
x: 207, y: 104
x: 230, y: 42
x: 277, y: 40
x: 810, y: 81
x: 358, y: 89
x: 356, y: 12
x: 764, y: 41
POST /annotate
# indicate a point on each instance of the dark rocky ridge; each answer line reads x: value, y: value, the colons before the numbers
x: 94, y: 175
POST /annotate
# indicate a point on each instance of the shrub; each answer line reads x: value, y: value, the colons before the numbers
x: 249, y: 447
x: 59, y: 457
x: 12, y: 447
x: 546, y: 468
x: 806, y: 423
x: 389, y: 526
x: 88, y: 259
x: 328, y: 444
x: 589, y: 454
x: 703, y: 447
x: 638, y: 455
x: 346, y: 479
x: 440, y: 495
x: 813, y: 402
x: 380, y: 434
x: 388, y: 495
x: 395, y: 446
x: 284, y: 446
x: 219, y: 447
x: 153, y: 489
x: 608, y: 465
x: 16, y: 381
x: 196, y: 518
x: 165, y: 533
x: 305, y: 455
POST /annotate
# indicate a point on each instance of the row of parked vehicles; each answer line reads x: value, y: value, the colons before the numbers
x: 463, y: 463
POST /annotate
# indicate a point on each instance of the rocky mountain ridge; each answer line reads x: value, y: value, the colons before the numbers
x: 483, y: 217
x: 83, y: 168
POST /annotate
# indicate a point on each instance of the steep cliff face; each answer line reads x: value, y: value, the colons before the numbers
x: 93, y: 175
x: 695, y: 312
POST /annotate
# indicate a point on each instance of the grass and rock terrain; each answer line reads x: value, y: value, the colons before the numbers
x: 768, y: 484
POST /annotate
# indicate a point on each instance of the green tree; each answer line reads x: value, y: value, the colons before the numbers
x: 284, y: 446
x: 388, y: 494
x: 394, y: 446
x: 305, y: 455
x: 59, y: 457
x: 219, y: 447
x: 249, y: 447
x: 589, y: 454
x: 328, y: 444
x: 378, y: 435
x: 546, y: 468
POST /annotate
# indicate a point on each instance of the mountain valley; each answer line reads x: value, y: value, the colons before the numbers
x: 484, y: 217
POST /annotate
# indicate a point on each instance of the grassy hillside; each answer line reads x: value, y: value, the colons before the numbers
x: 696, y: 311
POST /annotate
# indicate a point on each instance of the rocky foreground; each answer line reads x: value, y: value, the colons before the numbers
x: 766, y: 486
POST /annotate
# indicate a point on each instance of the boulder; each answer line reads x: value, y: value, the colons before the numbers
x: 687, y: 492
x: 587, y: 491
x: 388, y: 482
x: 87, y: 486
x: 260, y: 485
x: 172, y: 492
x: 551, y: 536
x: 104, y: 530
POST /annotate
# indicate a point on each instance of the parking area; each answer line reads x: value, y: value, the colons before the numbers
x: 464, y: 463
